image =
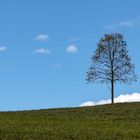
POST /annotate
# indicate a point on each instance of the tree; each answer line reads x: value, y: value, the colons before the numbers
x: 111, y: 63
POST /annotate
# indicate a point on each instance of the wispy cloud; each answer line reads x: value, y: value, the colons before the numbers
x: 124, y: 24
x: 72, y: 49
x: 3, y: 48
x: 42, y: 51
x: 134, y: 97
x: 42, y: 37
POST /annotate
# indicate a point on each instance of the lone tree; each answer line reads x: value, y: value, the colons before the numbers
x: 111, y: 62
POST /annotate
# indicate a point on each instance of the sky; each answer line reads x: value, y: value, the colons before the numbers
x: 46, y: 48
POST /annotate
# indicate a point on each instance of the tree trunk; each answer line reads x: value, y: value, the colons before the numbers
x: 112, y: 92
x: 112, y: 84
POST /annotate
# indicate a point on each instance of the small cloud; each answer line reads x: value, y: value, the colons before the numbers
x: 42, y: 37
x: 3, y: 48
x: 88, y: 103
x: 42, y: 51
x: 126, y: 24
x: 72, y: 49
x: 57, y: 66
x: 134, y: 97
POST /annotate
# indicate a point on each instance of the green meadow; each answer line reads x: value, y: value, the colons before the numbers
x: 105, y: 122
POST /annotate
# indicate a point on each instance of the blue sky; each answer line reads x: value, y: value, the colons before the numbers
x: 46, y: 45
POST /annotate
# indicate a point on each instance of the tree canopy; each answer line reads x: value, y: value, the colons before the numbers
x: 111, y: 62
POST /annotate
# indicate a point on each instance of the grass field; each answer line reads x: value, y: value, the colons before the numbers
x: 107, y: 122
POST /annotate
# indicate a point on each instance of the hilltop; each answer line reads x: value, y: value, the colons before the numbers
x: 106, y: 122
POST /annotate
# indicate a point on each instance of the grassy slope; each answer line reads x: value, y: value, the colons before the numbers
x: 120, y: 121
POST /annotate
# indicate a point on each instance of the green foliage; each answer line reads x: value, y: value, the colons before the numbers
x: 108, y: 122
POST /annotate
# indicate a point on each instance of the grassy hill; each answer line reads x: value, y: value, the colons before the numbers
x: 107, y: 122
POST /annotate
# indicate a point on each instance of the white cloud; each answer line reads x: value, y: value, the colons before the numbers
x: 42, y: 51
x: 126, y: 24
x: 42, y: 37
x: 71, y: 49
x: 134, y: 97
x: 88, y: 103
x: 3, y: 48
